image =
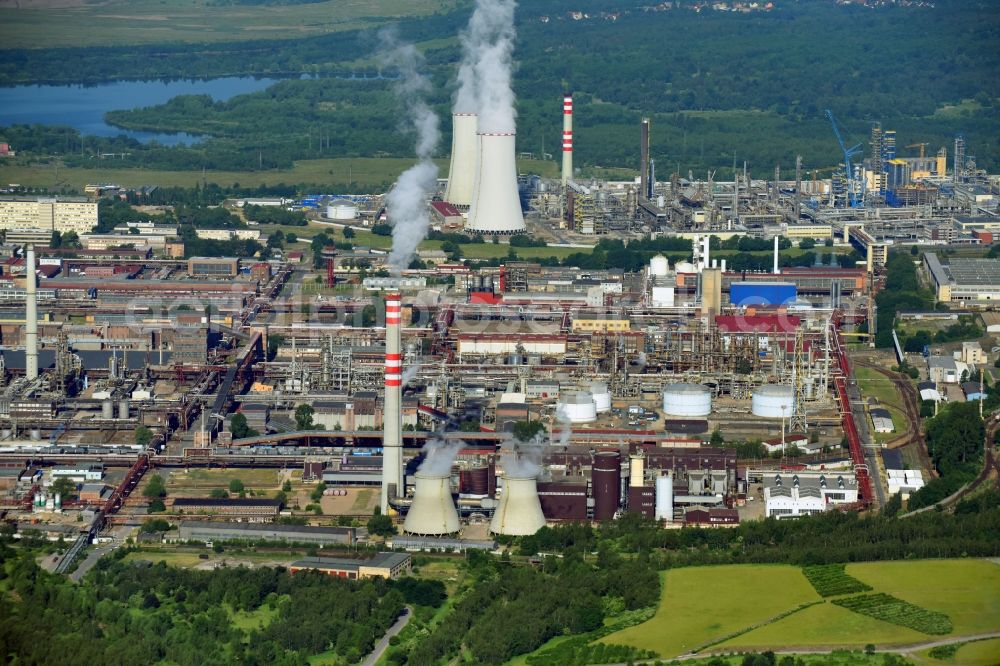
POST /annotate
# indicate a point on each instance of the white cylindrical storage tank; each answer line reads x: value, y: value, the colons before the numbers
x: 664, y: 508
x: 687, y: 400
x: 772, y: 401
x: 462, y: 170
x: 123, y: 411
x: 577, y: 407
x: 433, y: 509
x: 496, y: 204
x: 342, y: 210
x: 36, y: 434
x: 659, y: 266
x: 520, y: 511
x: 602, y: 397
x: 685, y: 267
x: 58, y: 501
x: 107, y: 409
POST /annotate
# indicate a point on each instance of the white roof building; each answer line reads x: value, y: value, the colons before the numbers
x: 788, y: 495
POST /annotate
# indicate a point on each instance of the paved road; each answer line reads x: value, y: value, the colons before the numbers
x: 383, y: 643
x: 99, y: 552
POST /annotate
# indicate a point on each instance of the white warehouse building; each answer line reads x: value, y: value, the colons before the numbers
x: 803, y: 493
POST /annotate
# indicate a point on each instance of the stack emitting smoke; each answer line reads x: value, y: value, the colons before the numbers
x: 407, y: 201
x: 392, y: 437
x: 433, y: 509
x: 484, y: 79
x: 31, y: 317
x: 567, y: 140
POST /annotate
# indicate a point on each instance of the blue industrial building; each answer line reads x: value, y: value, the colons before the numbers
x: 762, y: 293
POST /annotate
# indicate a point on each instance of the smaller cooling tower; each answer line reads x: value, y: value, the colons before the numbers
x: 433, y: 510
x: 462, y: 172
x: 496, y: 205
x: 520, y: 511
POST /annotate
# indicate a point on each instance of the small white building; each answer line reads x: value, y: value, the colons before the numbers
x: 882, y: 420
x: 904, y: 481
x: 788, y: 495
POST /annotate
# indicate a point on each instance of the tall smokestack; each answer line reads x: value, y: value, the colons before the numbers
x: 567, y: 140
x: 462, y: 173
x: 496, y: 204
x: 776, y: 270
x: 392, y: 438
x: 31, y: 317
x: 644, y: 159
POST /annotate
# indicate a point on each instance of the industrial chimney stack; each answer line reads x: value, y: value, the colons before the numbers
x: 392, y: 438
x: 644, y: 184
x: 496, y: 204
x: 31, y: 316
x: 462, y: 172
x: 567, y: 140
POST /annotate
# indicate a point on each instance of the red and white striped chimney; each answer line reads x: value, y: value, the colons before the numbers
x: 392, y: 419
x: 567, y: 139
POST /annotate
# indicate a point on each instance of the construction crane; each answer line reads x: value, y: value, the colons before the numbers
x: 921, y: 146
x: 853, y: 200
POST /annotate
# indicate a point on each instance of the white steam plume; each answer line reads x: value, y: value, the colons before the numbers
x: 484, y: 75
x: 565, y: 425
x: 407, y: 200
x: 522, y: 459
x: 438, y: 456
x: 410, y: 374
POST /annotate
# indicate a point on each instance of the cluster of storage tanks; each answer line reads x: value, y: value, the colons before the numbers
x: 584, y: 406
x: 43, y: 502
x: 695, y: 400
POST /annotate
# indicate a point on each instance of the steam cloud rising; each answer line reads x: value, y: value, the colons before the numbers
x: 523, y: 459
x: 406, y: 201
x: 438, y: 456
x: 484, y: 75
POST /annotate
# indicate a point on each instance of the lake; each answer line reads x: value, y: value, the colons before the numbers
x: 83, y: 107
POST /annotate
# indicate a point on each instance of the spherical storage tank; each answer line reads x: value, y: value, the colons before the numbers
x: 659, y: 266
x: 577, y: 407
x: 772, y: 401
x: 602, y: 397
x: 687, y: 400
x: 341, y: 209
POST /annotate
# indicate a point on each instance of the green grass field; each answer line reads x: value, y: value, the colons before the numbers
x: 365, y: 171
x: 976, y: 653
x: 57, y: 24
x: 874, y: 384
x: 200, y: 482
x: 701, y: 605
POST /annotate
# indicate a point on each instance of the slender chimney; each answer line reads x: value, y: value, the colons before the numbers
x: 392, y: 439
x: 776, y: 270
x: 31, y: 317
x: 644, y: 159
x: 567, y: 139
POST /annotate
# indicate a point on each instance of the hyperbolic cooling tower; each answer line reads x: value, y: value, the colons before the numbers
x: 433, y: 510
x: 462, y: 172
x: 520, y: 511
x: 496, y: 206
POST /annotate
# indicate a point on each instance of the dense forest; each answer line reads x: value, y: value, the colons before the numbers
x: 713, y: 83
